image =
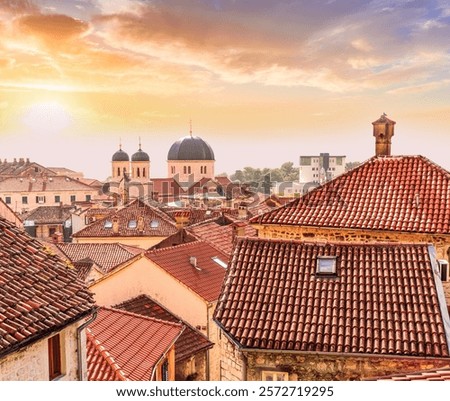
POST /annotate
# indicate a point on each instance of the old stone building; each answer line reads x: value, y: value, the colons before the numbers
x: 43, y: 311
x: 386, y: 199
x: 292, y: 310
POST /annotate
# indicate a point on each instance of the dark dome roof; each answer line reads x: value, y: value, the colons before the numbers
x: 140, y: 156
x: 190, y: 148
x: 120, y: 156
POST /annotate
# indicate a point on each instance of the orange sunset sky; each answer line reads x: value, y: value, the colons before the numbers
x: 263, y: 81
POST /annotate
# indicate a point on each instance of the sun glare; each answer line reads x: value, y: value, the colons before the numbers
x: 47, y: 117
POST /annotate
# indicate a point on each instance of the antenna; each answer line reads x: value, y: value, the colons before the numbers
x: 190, y: 127
x: 120, y: 143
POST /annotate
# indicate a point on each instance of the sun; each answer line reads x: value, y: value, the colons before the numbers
x: 47, y: 117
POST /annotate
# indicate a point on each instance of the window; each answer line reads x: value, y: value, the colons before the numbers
x: 204, y: 169
x: 165, y: 371
x: 189, y: 169
x: 36, y: 169
x: 24, y: 200
x: 51, y: 231
x: 132, y: 224
x: 326, y: 265
x: 73, y: 198
x: 57, y: 198
x: 138, y: 172
x: 54, y: 357
x: 154, y: 224
x: 274, y: 376
x: 88, y: 198
x: 143, y: 172
x: 118, y: 171
x: 184, y: 169
x: 172, y: 169
x: 219, y: 261
x: 8, y: 200
x: 108, y: 224
x: 305, y: 161
x: 40, y: 199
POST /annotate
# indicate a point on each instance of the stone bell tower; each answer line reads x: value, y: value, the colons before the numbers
x: 383, y: 131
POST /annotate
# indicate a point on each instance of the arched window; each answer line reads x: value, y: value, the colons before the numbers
x: 204, y: 170
x: 189, y: 169
x: 138, y: 172
x: 184, y: 169
x: 143, y: 172
x: 118, y: 171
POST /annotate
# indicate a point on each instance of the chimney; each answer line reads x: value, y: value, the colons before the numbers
x: 140, y: 224
x: 193, y: 262
x: 57, y: 238
x: 242, y: 212
x: 383, y: 131
x: 115, y: 225
x: 238, y: 229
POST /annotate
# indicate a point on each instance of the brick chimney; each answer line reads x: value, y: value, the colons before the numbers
x: 383, y: 131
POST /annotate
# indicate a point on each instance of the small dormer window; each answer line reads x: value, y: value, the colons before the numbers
x: 154, y: 224
x: 219, y: 261
x: 108, y: 224
x: 132, y: 224
x: 326, y: 266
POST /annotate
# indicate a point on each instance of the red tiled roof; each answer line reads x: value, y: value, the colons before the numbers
x: 134, y: 211
x: 207, y: 280
x: 126, y: 346
x: 220, y: 236
x: 427, y: 375
x: 106, y: 256
x: 49, y: 214
x: 40, y: 184
x: 39, y: 293
x: 384, y: 299
x: 191, y: 340
x: 402, y: 193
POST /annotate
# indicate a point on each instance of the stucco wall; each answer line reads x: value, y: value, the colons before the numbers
x: 195, y: 166
x: 144, y: 277
x: 31, y: 363
x: 192, y: 369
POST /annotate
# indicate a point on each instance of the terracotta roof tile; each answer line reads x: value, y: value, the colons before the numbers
x: 191, y: 340
x: 155, y: 223
x: 401, y: 193
x: 105, y: 256
x: 220, y: 236
x: 126, y: 346
x: 40, y: 184
x: 49, y: 214
x: 207, y: 280
x: 39, y: 293
x: 383, y: 300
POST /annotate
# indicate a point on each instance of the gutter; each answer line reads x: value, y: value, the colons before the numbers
x: 79, y: 345
x: 152, y: 376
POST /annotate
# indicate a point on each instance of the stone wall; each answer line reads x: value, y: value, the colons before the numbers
x: 315, y: 367
x: 192, y: 369
x: 232, y: 362
x: 31, y: 363
x: 440, y: 242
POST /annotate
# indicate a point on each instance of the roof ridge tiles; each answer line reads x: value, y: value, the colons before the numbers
x: 137, y: 315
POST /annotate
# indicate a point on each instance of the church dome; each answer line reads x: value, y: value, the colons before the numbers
x: 140, y: 156
x: 190, y: 148
x: 120, y: 156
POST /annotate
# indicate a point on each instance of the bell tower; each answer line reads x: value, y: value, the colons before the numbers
x: 383, y: 131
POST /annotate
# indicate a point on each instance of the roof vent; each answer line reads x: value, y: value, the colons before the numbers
x: 193, y: 262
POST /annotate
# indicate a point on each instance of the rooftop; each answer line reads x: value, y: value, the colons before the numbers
x: 126, y: 346
x: 191, y: 340
x: 39, y: 293
x: 205, y: 279
x: 49, y: 214
x: 105, y: 256
x: 383, y: 299
x: 401, y: 193
x: 137, y: 219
